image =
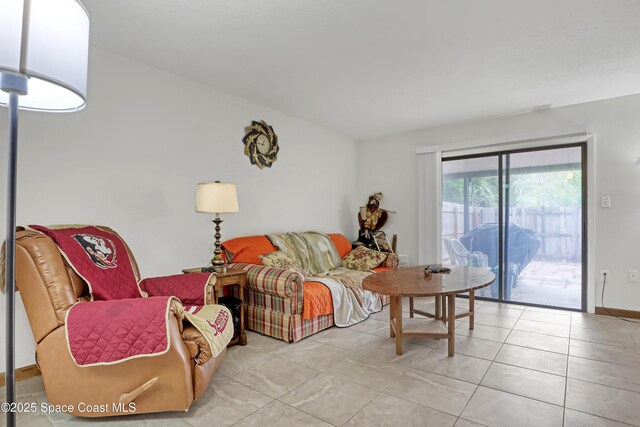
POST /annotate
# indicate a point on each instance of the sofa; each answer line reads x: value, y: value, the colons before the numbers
x: 279, y: 302
x: 49, y: 288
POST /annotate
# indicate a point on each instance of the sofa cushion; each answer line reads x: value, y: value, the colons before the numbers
x: 279, y: 259
x: 248, y: 249
x: 363, y: 259
x: 343, y: 245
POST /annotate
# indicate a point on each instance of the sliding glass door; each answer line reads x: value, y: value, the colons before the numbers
x: 521, y: 215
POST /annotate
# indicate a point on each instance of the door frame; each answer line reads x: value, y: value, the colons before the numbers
x: 429, y: 165
x: 503, y: 172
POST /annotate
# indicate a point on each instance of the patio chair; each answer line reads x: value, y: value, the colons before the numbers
x: 461, y: 256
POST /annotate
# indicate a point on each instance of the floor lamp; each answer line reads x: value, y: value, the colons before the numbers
x: 43, y: 67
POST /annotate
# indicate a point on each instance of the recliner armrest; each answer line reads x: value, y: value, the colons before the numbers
x: 190, y: 289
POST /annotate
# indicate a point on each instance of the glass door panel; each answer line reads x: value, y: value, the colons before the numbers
x: 521, y: 215
x: 543, y: 248
x: 470, y: 206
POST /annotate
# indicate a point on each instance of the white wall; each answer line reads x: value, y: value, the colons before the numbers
x: 389, y: 165
x: 132, y: 158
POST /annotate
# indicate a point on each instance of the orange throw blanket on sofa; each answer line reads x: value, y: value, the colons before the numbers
x: 316, y: 300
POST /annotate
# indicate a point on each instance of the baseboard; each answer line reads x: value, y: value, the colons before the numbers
x: 632, y: 314
x: 22, y: 373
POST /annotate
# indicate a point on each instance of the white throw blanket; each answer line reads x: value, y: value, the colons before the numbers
x: 346, y: 309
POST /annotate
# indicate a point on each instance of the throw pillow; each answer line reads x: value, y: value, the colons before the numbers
x: 280, y: 259
x: 363, y: 259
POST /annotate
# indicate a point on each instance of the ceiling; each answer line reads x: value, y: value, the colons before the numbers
x: 368, y: 68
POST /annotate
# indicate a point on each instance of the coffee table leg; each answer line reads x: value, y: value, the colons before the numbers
x: 392, y: 315
x: 472, y: 310
x: 438, y: 304
x: 452, y: 324
x: 399, y: 325
x: 444, y: 309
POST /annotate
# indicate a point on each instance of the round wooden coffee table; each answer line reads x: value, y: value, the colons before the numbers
x: 412, y: 282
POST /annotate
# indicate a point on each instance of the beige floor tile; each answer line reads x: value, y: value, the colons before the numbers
x: 497, y: 408
x: 351, y: 340
x: 499, y: 311
x: 603, y: 323
x: 168, y: 419
x: 384, y: 333
x: 605, y: 353
x: 386, y: 410
x: 607, y: 402
x: 473, y: 347
x: 493, y: 320
x: 387, y: 353
x: 461, y: 367
x: 604, y: 373
x: 466, y: 423
x: 539, y: 342
x: 381, y: 315
x: 37, y: 419
x: 526, y: 382
x: 435, y: 391
x: 278, y: 414
x: 539, y: 316
x: 610, y: 337
x: 549, y: 310
x: 21, y: 390
x: 275, y: 377
x: 505, y: 305
x: 539, y: 360
x: 367, y: 371
x: 542, y: 328
x: 266, y: 344
x: 315, y: 355
x: 225, y: 402
x: 330, y: 399
x: 580, y: 419
x: 370, y: 326
x: 484, y: 332
x: 240, y: 359
x: 34, y: 384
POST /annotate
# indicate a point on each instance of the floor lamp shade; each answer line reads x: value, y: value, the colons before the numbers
x: 48, y: 42
x: 44, y: 49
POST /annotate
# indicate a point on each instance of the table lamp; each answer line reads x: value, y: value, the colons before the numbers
x: 44, y: 53
x: 217, y: 197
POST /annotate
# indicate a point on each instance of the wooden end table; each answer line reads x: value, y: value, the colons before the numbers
x: 412, y: 282
x: 230, y: 277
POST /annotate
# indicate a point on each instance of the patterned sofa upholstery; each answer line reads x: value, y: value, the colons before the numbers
x: 275, y: 297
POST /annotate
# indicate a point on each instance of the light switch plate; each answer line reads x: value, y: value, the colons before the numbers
x: 605, y: 202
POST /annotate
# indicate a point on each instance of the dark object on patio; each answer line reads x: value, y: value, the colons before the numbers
x: 523, y: 246
x: 233, y: 304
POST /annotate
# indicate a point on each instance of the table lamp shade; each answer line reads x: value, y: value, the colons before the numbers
x: 47, y: 41
x: 216, y: 197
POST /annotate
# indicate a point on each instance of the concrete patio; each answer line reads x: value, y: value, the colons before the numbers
x: 557, y: 284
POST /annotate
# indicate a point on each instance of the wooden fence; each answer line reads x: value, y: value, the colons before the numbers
x: 559, y: 228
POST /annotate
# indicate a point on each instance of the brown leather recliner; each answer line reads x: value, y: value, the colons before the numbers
x: 49, y: 287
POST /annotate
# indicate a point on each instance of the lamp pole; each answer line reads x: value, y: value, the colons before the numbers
x: 15, y: 85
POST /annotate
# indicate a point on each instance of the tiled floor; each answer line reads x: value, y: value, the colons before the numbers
x: 519, y: 367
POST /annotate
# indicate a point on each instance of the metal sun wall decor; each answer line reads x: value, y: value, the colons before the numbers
x: 261, y: 144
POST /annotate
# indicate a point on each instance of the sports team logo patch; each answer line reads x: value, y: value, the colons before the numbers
x: 219, y: 324
x: 100, y: 250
